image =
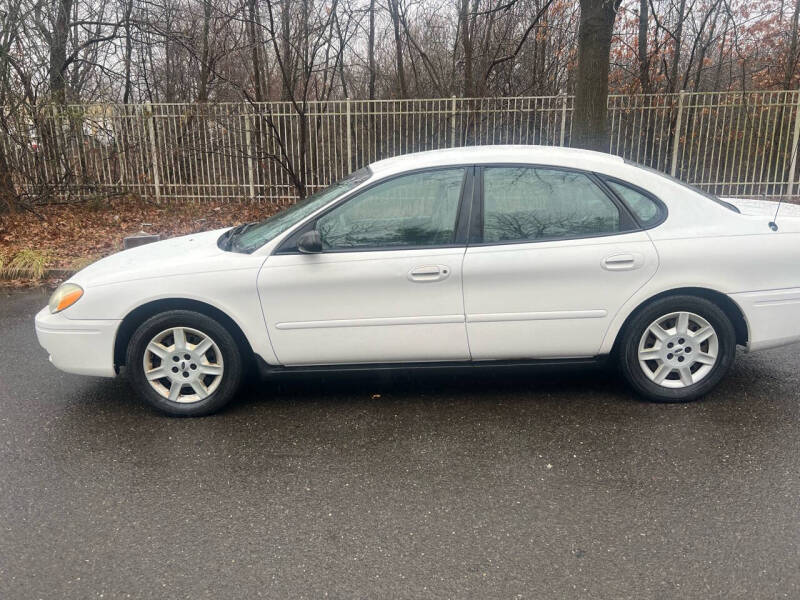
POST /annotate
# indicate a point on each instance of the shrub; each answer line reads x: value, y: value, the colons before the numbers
x: 27, y: 263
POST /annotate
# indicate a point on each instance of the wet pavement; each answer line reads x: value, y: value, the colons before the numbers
x: 495, y: 484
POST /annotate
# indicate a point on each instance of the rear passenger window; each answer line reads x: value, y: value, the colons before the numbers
x: 643, y: 206
x: 534, y: 203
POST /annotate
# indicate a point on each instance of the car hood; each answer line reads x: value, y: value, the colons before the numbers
x: 195, y: 253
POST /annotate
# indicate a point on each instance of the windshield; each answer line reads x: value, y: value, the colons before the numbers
x: 689, y: 186
x: 249, y: 238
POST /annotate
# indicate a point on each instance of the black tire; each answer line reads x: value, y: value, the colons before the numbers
x: 230, y: 379
x: 629, y: 348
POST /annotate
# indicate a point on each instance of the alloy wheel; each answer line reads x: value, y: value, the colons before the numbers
x: 678, y: 349
x: 183, y: 364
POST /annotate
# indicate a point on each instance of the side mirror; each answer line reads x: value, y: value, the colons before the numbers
x: 310, y: 242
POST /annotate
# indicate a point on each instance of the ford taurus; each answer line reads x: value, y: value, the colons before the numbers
x: 470, y: 256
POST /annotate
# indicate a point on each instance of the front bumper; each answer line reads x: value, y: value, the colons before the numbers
x: 78, y: 346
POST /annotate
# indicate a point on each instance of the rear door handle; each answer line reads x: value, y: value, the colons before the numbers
x: 426, y: 273
x: 623, y: 261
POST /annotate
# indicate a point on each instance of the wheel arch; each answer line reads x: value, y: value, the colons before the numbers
x: 141, y: 313
x: 723, y: 301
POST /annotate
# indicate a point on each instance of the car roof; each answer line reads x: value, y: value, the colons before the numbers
x: 543, y: 155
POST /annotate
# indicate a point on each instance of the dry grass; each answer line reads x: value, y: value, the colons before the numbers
x: 26, y: 264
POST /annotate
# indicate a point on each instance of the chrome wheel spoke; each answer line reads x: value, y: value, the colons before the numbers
x: 661, y: 373
x: 210, y: 369
x: 686, y: 376
x: 650, y: 354
x: 682, y: 324
x: 157, y: 349
x: 179, y: 338
x: 199, y: 389
x: 705, y: 359
x: 157, y: 373
x: 700, y: 336
x: 175, y: 390
x: 658, y: 331
x: 203, y: 346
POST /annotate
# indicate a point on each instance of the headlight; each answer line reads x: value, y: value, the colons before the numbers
x: 65, y: 296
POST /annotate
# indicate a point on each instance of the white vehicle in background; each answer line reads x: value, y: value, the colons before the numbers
x: 503, y: 255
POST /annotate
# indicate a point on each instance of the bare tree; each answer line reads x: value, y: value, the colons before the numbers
x: 791, y: 58
x: 371, y: 50
x: 644, y: 55
x: 9, y: 22
x: 395, y: 12
x: 590, y: 128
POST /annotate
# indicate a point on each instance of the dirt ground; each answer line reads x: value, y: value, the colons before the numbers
x: 69, y: 237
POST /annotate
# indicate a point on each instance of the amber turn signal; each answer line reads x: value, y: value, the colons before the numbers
x: 65, y: 296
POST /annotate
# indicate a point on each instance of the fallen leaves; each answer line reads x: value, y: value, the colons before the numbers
x: 72, y: 236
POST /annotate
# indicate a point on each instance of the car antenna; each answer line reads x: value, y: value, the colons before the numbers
x: 774, y: 223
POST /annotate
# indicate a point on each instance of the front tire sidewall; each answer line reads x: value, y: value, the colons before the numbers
x: 231, y: 355
x: 629, y: 351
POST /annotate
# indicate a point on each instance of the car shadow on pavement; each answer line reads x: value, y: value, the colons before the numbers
x: 418, y: 429
x: 755, y: 399
x: 434, y: 384
x: 750, y: 381
x: 487, y: 416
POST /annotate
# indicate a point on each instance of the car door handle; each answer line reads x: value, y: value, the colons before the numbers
x: 428, y: 273
x: 623, y: 261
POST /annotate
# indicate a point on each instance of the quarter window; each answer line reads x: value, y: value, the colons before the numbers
x: 533, y: 203
x: 644, y: 207
x: 419, y: 209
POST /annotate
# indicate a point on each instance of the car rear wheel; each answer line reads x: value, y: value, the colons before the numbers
x: 677, y: 349
x: 184, y: 363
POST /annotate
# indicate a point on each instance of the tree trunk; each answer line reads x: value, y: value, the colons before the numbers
x: 287, y: 82
x: 8, y: 195
x: 254, y: 37
x: 253, y: 30
x: 394, y: 9
x: 371, y: 49
x: 205, y: 66
x: 58, y: 51
x: 128, y: 91
x: 676, y: 57
x: 791, y: 60
x: 644, y: 58
x: 466, y: 45
x: 57, y: 80
x: 721, y: 63
x: 590, y: 129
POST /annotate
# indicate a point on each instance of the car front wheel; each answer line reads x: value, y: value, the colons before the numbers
x: 677, y: 349
x: 184, y: 363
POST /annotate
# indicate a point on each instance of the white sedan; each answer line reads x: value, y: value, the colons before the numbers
x: 485, y: 255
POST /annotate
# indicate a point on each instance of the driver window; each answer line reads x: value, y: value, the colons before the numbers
x: 419, y: 209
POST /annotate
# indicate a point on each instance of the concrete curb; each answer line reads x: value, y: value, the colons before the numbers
x: 58, y: 273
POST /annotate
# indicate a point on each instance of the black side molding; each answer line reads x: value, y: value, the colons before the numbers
x: 266, y: 370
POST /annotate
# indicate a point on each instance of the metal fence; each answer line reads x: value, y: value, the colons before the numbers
x: 730, y: 143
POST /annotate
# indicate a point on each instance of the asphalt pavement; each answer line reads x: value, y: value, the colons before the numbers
x: 495, y: 484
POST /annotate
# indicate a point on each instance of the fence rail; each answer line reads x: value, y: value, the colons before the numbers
x: 730, y: 143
